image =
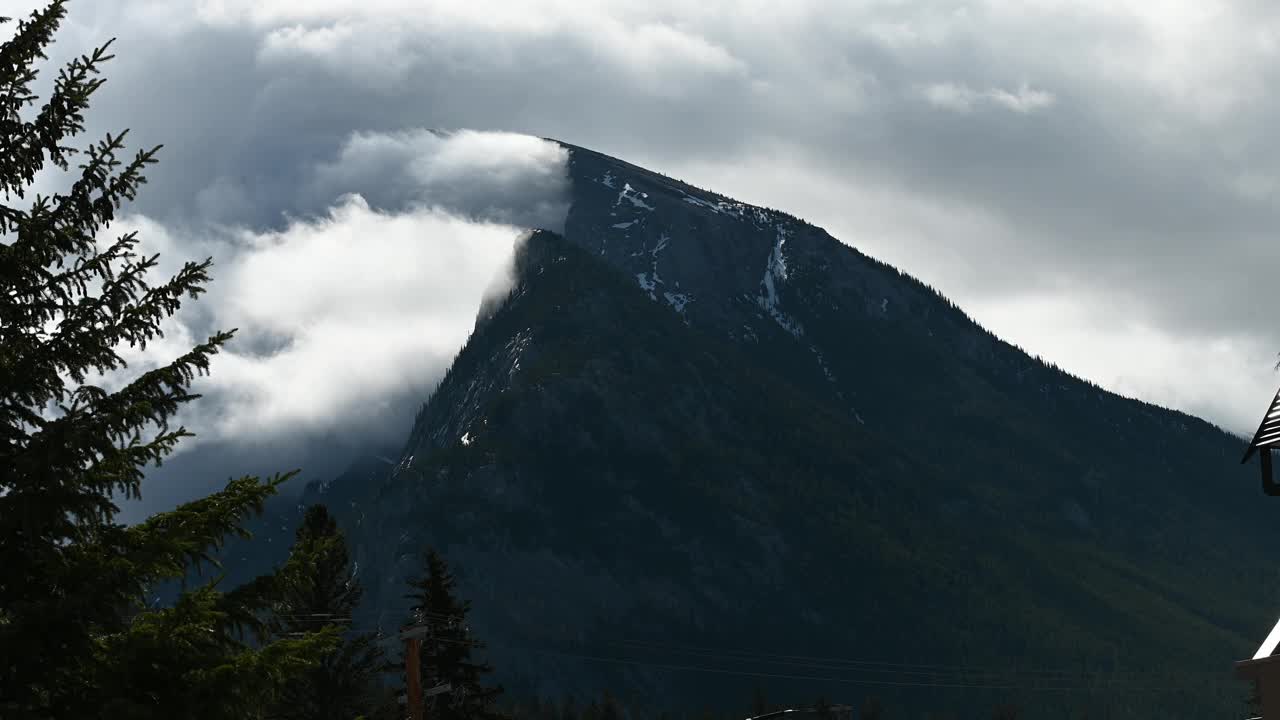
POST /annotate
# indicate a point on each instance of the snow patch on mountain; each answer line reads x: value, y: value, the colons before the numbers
x: 649, y: 281
x: 663, y: 239
x: 515, y: 348
x: 677, y: 300
x: 635, y: 197
x: 647, y: 284
x: 759, y: 216
x: 404, y: 465
x: 822, y: 363
x: 775, y: 273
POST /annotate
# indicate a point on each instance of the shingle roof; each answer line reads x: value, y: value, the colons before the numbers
x: 1268, y: 435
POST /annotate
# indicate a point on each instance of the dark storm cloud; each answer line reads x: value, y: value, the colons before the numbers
x: 1096, y: 182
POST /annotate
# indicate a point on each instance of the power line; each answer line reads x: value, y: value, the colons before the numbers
x: 916, y: 674
x: 834, y: 663
x: 1111, y: 687
x: 973, y: 681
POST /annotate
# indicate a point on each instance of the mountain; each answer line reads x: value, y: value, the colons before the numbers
x: 702, y: 445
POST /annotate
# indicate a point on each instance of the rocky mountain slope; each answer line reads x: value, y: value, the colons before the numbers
x: 704, y: 445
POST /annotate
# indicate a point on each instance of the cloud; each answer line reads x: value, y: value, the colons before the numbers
x: 493, y: 176
x: 342, y: 316
x: 1129, y: 173
x: 962, y: 98
x: 345, y: 315
x: 345, y: 319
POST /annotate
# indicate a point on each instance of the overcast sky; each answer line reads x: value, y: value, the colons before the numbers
x: 1094, y: 181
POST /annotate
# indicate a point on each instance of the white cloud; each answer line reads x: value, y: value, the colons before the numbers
x: 493, y: 176
x: 962, y: 98
x: 656, y: 52
x: 346, y: 320
x: 355, y: 310
x: 951, y: 96
x: 1022, y: 100
x: 307, y: 41
x: 340, y: 319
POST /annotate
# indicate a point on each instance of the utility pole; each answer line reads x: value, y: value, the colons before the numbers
x: 414, y: 695
x: 412, y: 636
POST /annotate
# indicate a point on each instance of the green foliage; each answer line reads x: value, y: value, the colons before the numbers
x: 445, y: 654
x: 319, y: 592
x: 76, y: 636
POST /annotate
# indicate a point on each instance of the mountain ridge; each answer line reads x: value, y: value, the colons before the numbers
x: 801, y: 432
x: 584, y: 163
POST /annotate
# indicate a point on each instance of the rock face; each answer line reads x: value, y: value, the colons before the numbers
x: 703, y: 445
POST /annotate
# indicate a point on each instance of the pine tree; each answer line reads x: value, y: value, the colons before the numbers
x: 446, y: 649
x: 76, y: 636
x: 345, y: 683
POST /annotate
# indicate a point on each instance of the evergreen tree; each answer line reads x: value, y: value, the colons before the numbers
x: 345, y: 683
x: 871, y: 709
x: 446, y: 649
x: 76, y: 636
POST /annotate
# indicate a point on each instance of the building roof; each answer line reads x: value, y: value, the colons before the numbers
x: 1268, y: 435
x: 1268, y: 647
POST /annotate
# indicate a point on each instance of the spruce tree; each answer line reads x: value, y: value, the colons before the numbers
x: 345, y: 683
x: 76, y: 636
x: 446, y: 649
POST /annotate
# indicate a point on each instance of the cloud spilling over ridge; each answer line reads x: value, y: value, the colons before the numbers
x: 490, y: 176
x: 346, y: 319
x: 340, y: 320
x: 345, y: 315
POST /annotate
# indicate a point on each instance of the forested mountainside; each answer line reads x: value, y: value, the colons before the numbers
x: 701, y: 445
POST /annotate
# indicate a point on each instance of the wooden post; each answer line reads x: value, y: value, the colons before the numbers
x: 413, y: 677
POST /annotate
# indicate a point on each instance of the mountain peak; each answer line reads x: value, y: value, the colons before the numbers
x: 689, y: 413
